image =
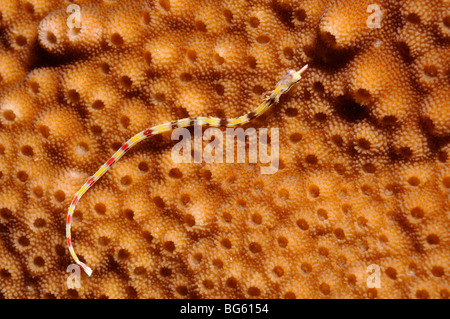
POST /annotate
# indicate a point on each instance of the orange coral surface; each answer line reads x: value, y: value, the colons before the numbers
x: 364, y: 175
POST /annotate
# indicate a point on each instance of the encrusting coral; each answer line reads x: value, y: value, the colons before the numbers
x: 364, y: 174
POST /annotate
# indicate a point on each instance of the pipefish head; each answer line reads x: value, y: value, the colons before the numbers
x: 289, y: 80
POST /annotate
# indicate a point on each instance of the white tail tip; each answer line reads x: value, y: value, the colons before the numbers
x: 86, y: 269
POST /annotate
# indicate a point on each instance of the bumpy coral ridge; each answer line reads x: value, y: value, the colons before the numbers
x: 364, y: 173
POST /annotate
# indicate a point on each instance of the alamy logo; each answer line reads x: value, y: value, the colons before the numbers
x: 74, y: 19
x: 214, y: 152
x: 374, y: 20
x: 74, y: 280
x: 374, y: 278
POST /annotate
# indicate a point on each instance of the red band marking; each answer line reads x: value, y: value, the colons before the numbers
x: 68, y: 241
x: 124, y: 147
x: 148, y: 132
x: 68, y: 219
x: 111, y: 160
x: 91, y: 180
x: 75, y: 200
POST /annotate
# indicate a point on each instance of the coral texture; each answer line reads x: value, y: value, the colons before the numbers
x: 364, y: 175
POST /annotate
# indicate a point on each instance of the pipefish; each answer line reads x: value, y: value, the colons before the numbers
x: 284, y: 85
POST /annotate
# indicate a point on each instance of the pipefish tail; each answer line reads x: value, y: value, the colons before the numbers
x: 284, y: 85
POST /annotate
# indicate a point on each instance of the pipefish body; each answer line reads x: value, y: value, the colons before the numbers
x: 291, y: 77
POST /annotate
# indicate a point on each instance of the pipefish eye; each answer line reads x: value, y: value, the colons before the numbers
x: 295, y: 78
x: 287, y: 79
